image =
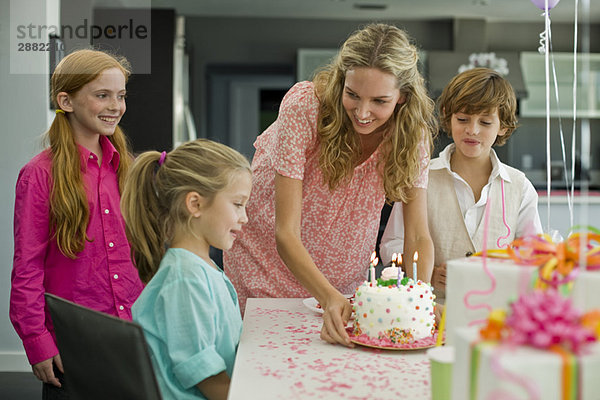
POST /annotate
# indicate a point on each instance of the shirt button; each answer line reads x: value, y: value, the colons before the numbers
x: 106, y: 211
x: 121, y: 308
x: 91, y: 156
x: 116, y: 276
x: 111, y: 244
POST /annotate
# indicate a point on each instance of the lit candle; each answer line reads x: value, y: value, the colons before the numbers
x: 372, y: 268
x: 415, y: 258
x: 394, y: 258
x: 375, y: 262
x: 400, y: 274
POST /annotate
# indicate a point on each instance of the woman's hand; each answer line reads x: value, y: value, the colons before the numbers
x: 44, y: 371
x: 336, y: 314
x: 438, y: 278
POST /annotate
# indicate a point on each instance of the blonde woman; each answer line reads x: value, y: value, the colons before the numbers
x: 69, y: 234
x: 361, y: 131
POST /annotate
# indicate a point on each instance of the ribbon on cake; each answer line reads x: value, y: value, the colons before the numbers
x: 546, y: 320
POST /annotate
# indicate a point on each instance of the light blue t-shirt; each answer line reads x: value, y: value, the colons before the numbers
x: 192, y: 323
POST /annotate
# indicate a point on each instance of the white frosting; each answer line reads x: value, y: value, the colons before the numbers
x: 391, y: 273
x: 381, y: 311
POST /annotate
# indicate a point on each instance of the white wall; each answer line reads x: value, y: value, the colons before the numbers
x: 24, y: 112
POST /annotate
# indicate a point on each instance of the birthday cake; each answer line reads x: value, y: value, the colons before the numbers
x: 544, y: 348
x: 392, y: 314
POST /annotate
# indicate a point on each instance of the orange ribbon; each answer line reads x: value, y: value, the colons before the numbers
x: 557, y: 261
x: 569, y: 373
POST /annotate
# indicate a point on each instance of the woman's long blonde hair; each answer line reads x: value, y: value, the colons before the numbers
x: 388, y: 49
x: 153, y: 200
x: 69, y: 209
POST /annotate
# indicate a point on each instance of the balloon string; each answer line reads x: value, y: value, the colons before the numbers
x: 574, y: 127
x: 486, y: 223
x: 503, y: 218
x: 547, y: 92
x: 560, y: 128
x: 543, y: 41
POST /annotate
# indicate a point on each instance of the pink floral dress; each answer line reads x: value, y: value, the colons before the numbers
x: 339, y: 228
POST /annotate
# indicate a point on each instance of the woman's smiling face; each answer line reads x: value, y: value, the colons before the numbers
x: 370, y: 97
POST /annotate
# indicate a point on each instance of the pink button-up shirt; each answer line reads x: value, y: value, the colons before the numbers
x: 102, y: 277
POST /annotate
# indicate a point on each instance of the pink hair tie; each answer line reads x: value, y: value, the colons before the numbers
x: 161, y: 160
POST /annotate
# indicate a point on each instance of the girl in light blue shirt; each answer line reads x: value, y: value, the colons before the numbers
x: 176, y: 206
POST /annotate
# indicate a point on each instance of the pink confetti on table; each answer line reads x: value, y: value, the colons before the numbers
x: 282, y: 354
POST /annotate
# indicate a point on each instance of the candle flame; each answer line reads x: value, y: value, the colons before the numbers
x: 373, y: 255
x: 376, y: 261
x: 416, y: 256
x: 394, y: 258
x: 399, y: 259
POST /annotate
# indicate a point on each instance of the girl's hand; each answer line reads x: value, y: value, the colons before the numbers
x: 44, y: 371
x: 336, y: 314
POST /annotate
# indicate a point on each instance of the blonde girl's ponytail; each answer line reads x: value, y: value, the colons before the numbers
x: 153, y: 200
x: 144, y: 215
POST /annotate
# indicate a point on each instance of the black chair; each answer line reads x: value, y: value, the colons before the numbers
x: 104, y: 357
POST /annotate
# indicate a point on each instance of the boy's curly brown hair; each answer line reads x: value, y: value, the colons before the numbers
x: 475, y: 91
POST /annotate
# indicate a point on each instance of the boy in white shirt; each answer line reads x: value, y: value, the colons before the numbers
x: 477, y: 110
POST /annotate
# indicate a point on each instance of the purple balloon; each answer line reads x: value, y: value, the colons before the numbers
x: 541, y: 4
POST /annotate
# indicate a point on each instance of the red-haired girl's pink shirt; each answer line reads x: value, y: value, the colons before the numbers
x: 101, y: 277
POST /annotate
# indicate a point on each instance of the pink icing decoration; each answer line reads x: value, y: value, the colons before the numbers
x: 545, y: 318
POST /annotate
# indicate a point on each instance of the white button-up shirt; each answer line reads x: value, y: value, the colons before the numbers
x: 392, y: 240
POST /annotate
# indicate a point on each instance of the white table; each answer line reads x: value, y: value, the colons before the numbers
x: 281, y: 356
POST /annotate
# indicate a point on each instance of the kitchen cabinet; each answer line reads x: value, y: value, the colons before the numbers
x: 588, y: 85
